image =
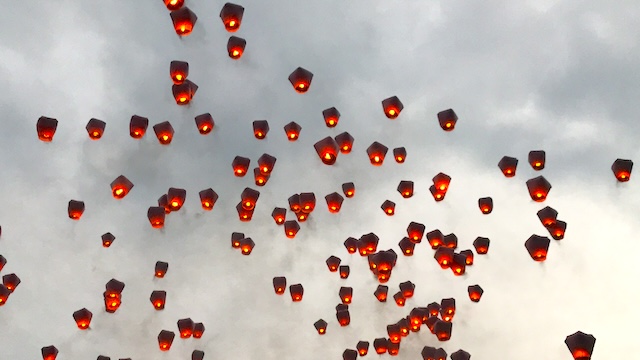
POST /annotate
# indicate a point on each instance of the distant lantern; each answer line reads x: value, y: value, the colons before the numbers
x: 345, y: 142
x: 404, y: 326
x: 581, y: 345
x: 164, y: 132
x: 537, y: 159
x: 161, y: 269
x: 443, y: 330
x: 120, y: 187
x: 178, y: 70
x: 400, y: 154
x: 114, y: 288
x: 301, y: 80
x: 406, y: 246
x: 75, y: 209
x: 442, y: 181
x: 235, y: 47
x: 440, y: 354
x: 240, y: 165
x: 450, y: 241
x: 183, y: 20
x: 428, y: 353
x: 388, y: 207
x: 235, y: 239
x: 393, y: 330
x: 173, y: 5
x: 292, y: 130
x: 405, y: 188
x: 362, y: 347
x: 95, y: 128
x: 334, y: 202
x: 458, y: 265
x: 481, y: 244
x: 198, y: 330
x: 266, y: 163
x: 327, y: 150
x: 294, y: 202
x: 208, y: 198
x: 344, y: 271
x: 486, y: 205
x: 435, y: 238
x: 331, y: 117
x: 231, y: 15
x: 259, y: 178
x: 260, y: 129
x: 321, y: 326
x: 475, y: 292
x: 197, y: 355
x: 184, y: 93
x: 380, y: 345
x: 381, y: 293
x: 399, y: 298
x: 3, y: 262
x: 415, y: 231
x: 392, y: 107
x: 158, y: 298
x: 138, y: 126
x: 165, y: 339
x: 444, y: 257
x: 176, y: 197
x: 538, y: 188
x: 460, y: 355
x: 163, y: 202
x: 349, y: 354
x: 246, y: 246
x: 156, y: 216
x: 557, y: 230
x: 548, y: 216
x: 447, y: 119
x: 447, y: 309
x: 296, y: 291
x: 204, y: 123
x: 468, y: 254
x: 537, y: 246
x: 508, y: 166
x: 49, y: 352
x: 368, y: 244
x: 185, y: 327
x: 307, y: 202
x: 291, y: 228
x: 394, y: 349
x: 407, y: 289
x: 11, y: 281
x: 46, y: 128
x: 332, y: 263
x: 243, y: 214
x: 376, y: 153
x: 622, y: 169
x: 279, y: 284
x: 438, y: 195
x: 82, y: 318
x: 433, y: 309
x: 346, y: 294
x: 249, y: 198
x: 351, y: 244
x: 349, y: 189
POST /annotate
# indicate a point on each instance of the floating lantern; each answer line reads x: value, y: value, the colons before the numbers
x: 75, y: 209
x: 158, y: 298
x: 95, y: 128
x: 400, y: 154
x: 405, y: 188
x: 138, y: 126
x: 184, y: 93
x: 345, y: 142
x: 537, y: 159
x: 349, y: 189
x: 392, y: 107
x: 508, y: 166
x: 235, y: 47
x: 327, y: 150
x: 183, y: 21
x: 164, y: 132
x: 622, y: 169
x: 475, y: 292
x: 301, y: 80
x: 240, y: 166
x: 178, y: 70
x: 231, y: 15
x: 447, y: 119
x: 46, y: 128
x: 331, y: 117
x: 537, y: 246
x: 292, y: 130
x: 204, y: 123
x: 120, y: 187
x: 260, y: 129
x: 376, y: 153
x: 486, y: 205
x: 538, y: 188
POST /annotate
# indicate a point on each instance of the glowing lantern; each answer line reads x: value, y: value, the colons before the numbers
x: 107, y: 240
x: 435, y: 238
x: 161, y: 269
x: 291, y: 228
x: 183, y: 20
x: 344, y: 271
x: 537, y: 246
x: 407, y: 288
x: 301, y: 216
x: 176, y: 198
x: 508, y: 166
x: 259, y: 178
x: 405, y: 188
x: 475, y: 292
x: 231, y: 15
x: 351, y: 244
x: 249, y: 198
x: 557, y: 230
x: 178, y: 70
x: 82, y: 318
x: 622, y: 169
x: 114, y: 288
x: 349, y: 354
x: 346, y: 294
x: 443, y: 329
x: 246, y: 246
x: 46, y: 128
x: 444, y: 256
x: 442, y: 181
x: 164, y: 132
x: 404, y: 326
x: 428, y: 353
x: 279, y: 284
x: 468, y: 254
x: 447, y: 309
x: 438, y: 195
x: 243, y: 214
x: 392, y: 107
x: 321, y: 326
x: 208, y: 199
x: 156, y: 216
x: 400, y: 154
x: 240, y: 165
x: 393, y: 349
x: 341, y: 307
x: 331, y: 117
x: 185, y: 327
x: 236, y: 237
x: 49, y: 352
x: 537, y: 159
x: 547, y: 216
x: 388, y: 207
x: 260, y: 129
x: 581, y: 345
x: 376, y: 153
x: 3, y: 262
x: 380, y: 344
x: 368, y: 244
x: 307, y: 202
x: 294, y: 202
x: 460, y: 355
x: 399, y: 298
x: 173, y: 5
x: 447, y: 119
x: 296, y: 291
x: 158, y: 298
x: 120, y: 187
x: 197, y: 355
x: 407, y: 246
x: 482, y: 245
x: 450, y: 241
x: 458, y: 265
x: 165, y: 339
x: 362, y: 347
x: 266, y: 163
x: 333, y: 262
x: 343, y: 317
x: 334, y: 202
x: 11, y: 281
x: 204, y: 123
x: 198, y: 330
x: 433, y: 309
x: 431, y: 323
x: 292, y: 130
x: 345, y: 142
x: 381, y: 293
x: 138, y: 126
x: 279, y: 215
x: 95, y: 128
x: 349, y: 189
x: 235, y: 47
x: 440, y: 354
x: 393, y: 331
x: 327, y: 150
x: 75, y: 209
x: 301, y: 80
x: 112, y: 302
x: 538, y: 188
x: 415, y: 231
x: 486, y: 205
x: 183, y: 93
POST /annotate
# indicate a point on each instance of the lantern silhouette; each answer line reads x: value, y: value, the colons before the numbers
x: 260, y: 129
x: 392, y: 107
x: 165, y: 339
x: 407, y: 246
x: 351, y: 244
x: 475, y: 292
x: 508, y: 166
x: 368, y: 243
x: 46, y: 128
x: 399, y: 298
x: 334, y: 202
x: 112, y: 302
x: 450, y: 241
x: 260, y: 179
x: 537, y: 159
x: 444, y: 257
x: 294, y: 202
x: 236, y: 237
x: 468, y: 255
x: 301, y: 80
x: 183, y: 93
x: 381, y: 293
x: 438, y: 195
x: 376, y: 153
x: 163, y: 202
x: 279, y: 215
x: 249, y: 198
x: 291, y: 228
x: 3, y: 262
x: 447, y: 119
x: 343, y: 317
x: 178, y: 70
x: 622, y: 169
x: 580, y: 345
x: 240, y: 165
x: 344, y: 271
x: 380, y: 345
x: 435, y: 238
x: 415, y: 319
x: 393, y: 349
x: 198, y: 330
x: 443, y: 330
x: 557, y: 230
x: 185, y: 327
x: 176, y: 198
x: 440, y: 354
x: 75, y: 209
x: 292, y: 130
x: 183, y: 20
x: 341, y: 307
x: 537, y: 246
x: 486, y: 205
x: 243, y: 214
x: 321, y: 326
x: 95, y: 128
x: 346, y: 294
x: 548, y: 216
x: 279, y: 284
x: 266, y: 163
x: 235, y: 47
x: 158, y: 298
x: 349, y: 189
x: 164, y: 132
x: 428, y: 353
x: 208, y: 199
x: 405, y: 188
x: 482, y: 245
x: 539, y: 188
x: 362, y: 347
x: 307, y: 202
x: 332, y: 263
x: 327, y: 150
x: 82, y: 318
x: 138, y: 126
x: 441, y: 181
x: 400, y: 154
x: 204, y: 123
x: 404, y: 326
x: 296, y: 291
x: 349, y: 354
x: 393, y: 330
x: 197, y: 355
x: 161, y: 269
x: 156, y: 215
x: 231, y: 15
x: 415, y: 231
x: 120, y: 187
x: 458, y: 265
x: 331, y: 117
x: 407, y: 288
x: 107, y: 240
x: 447, y: 309
x: 11, y: 281
x: 114, y: 288
x: 460, y: 355
x: 345, y: 142
x: 433, y: 309
x: 49, y: 352
x: 388, y: 207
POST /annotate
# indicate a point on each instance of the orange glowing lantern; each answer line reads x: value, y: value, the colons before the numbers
x: 399, y: 298
x: 475, y: 292
x: 362, y: 347
x: 581, y: 345
x: 443, y: 330
x: 301, y: 80
x: 368, y: 244
x: 11, y: 282
x: 334, y: 202
x: 538, y: 188
x: 185, y: 327
x: 444, y: 256
x: 208, y: 199
x: 508, y: 166
x: 75, y: 209
x: 112, y: 303
x: 95, y: 128
x: 381, y: 293
x: 164, y: 132
x: 548, y: 216
x: 405, y: 188
x: 482, y: 245
x: 266, y: 163
x: 156, y: 216
x: 392, y: 107
x: 458, y: 265
x: 433, y: 309
x: 184, y: 93
x: 404, y: 326
x: 415, y: 231
x: 3, y: 262
x: 351, y: 244
x: 388, y: 207
x: 394, y: 349
x: 231, y: 15
x: 173, y: 5
x: 440, y: 354
x: 344, y: 271
x: 197, y: 355
x: 460, y: 355
x: 407, y: 289
x: 331, y: 117
x: 447, y: 309
x: 120, y: 187
x: 468, y: 255
x: 349, y: 354
x: 138, y: 126
x: 165, y: 339
x: 236, y: 237
x: 435, y: 238
x: 243, y: 214
x: 486, y: 205
x: 246, y: 246
x: 447, y: 119
x: 537, y: 246
x: 161, y: 269
x: 291, y: 228
x: 622, y: 169
x: 292, y: 130
x: 441, y: 182
x: 279, y: 284
x: 46, y: 128
x: 163, y: 202
x: 327, y: 150
x: 537, y: 159
x: 406, y: 246
x: 346, y: 294
x: 400, y: 154
x: 349, y: 189
x: 107, y: 240
x: 294, y: 202
x: 431, y: 323
x: 428, y: 353
x: 176, y: 198
x: 82, y: 318
x: 183, y: 20
x: 380, y: 345
x: 260, y: 129
x: 557, y: 230
x: 235, y: 47
x: 296, y: 291
x: 178, y: 70
x: 321, y: 326
x: 49, y: 352
x: 450, y: 241
x: 302, y: 216
x: 204, y: 123
x: 438, y: 195
x: 279, y: 215
x: 345, y: 142
x: 376, y: 153
x: 249, y: 197
x: 158, y: 298
x: 333, y: 262
x: 240, y: 165
x: 393, y: 330
x: 114, y: 288
x: 198, y: 330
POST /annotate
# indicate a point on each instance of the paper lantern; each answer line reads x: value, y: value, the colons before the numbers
x: 107, y: 240
x: 164, y: 132
x: 447, y: 119
x: 291, y: 228
x: 327, y: 149
x: 204, y: 123
x: 444, y: 257
x: 348, y: 189
x: 82, y: 318
x: 75, y: 209
x: 349, y: 354
x: 380, y: 345
x: 249, y: 198
x: 376, y: 153
x: 362, y: 347
x: 331, y: 117
x: 235, y: 47
x: 332, y: 263
x: 120, y: 187
x: 279, y: 284
x: 208, y: 199
x: 165, y: 339
x: 381, y: 293
x: 435, y: 238
x: 537, y: 246
x: 266, y: 163
x: 185, y: 328
x: 183, y: 21
x: 279, y: 215
x: 346, y: 294
x: 156, y: 215
x: 292, y: 130
x: 334, y: 202
x: 184, y: 93
x: 557, y: 230
x: 307, y: 202
x: 176, y: 198
x: 296, y: 291
x: 405, y: 188
x: 344, y: 271
x: 388, y: 207
x: 240, y: 165
x: 548, y: 216
x: 243, y: 214
x: 508, y: 166
x: 475, y: 292
x: 399, y: 298
x: 49, y: 352
x: 415, y: 231
x: 443, y: 330
x: 392, y: 107
x: 198, y: 330
x: 486, y: 205
x: 537, y: 159
x: 351, y: 244
x: 622, y: 169
x: 301, y: 80
x: 197, y: 355
x: 321, y: 326
x: 400, y: 154
x: 158, y: 298
x: 481, y: 244
x: 46, y: 128
x: 345, y: 142
x: 236, y: 237
x: 178, y: 70
x: 95, y: 128
x: 468, y: 254
x: 407, y: 289
x: 260, y: 129
x: 161, y: 269
x: 450, y: 241
x: 231, y: 15
x: 538, y: 188
x: 580, y: 345
x: 447, y: 309
x: 438, y: 195
x: 406, y: 246
x: 138, y: 126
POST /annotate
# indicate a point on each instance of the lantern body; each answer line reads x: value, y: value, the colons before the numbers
x: 240, y: 165
x: 307, y: 202
x: 279, y: 215
x: 362, y: 347
x: 321, y: 326
x: 351, y: 244
x: 184, y: 93
x: 380, y: 344
x: 114, y: 287
x: 475, y: 292
x: 435, y: 238
x: 11, y: 282
x: 368, y: 244
x: 346, y: 294
x: 406, y: 246
x: 208, y: 199
x: 460, y: 355
x: 164, y: 132
x: 557, y: 230
x: 537, y: 159
x: 447, y: 309
x: 438, y: 195
x: 95, y: 128
x: 120, y: 187
x: 433, y: 309
x: 393, y: 331
x: 327, y: 150
x: 349, y: 189
x: 279, y: 284
x: 266, y: 163
x: 75, y: 209
x: 376, y: 153
x: 343, y: 317
x: 344, y: 271
x: 301, y: 80
x: 49, y: 352
x: 441, y: 181
x: 331, y: 117
x: 296, y: 291
x: 508, y: 166
x: 486, y: 205
x: 183, y: 21
x: 249, y: 198
x: 405, y: 188
x: 538, y: 188
x: 198, y: 330
x: 231, y: 15
x: 294, y: 202
x: 165, y: 339
x: 235, y: 47
x: 197, y: 355
x: 204, y: 123
x: 291, y: 228
x: 392, y: 107
x: 415, y: 232
x: 622, y: 169
x: 243, y: 214
x: 443, y: 330
x: 394, y: 349
x: 332, y: 263
x: 260, y: 179
x: 246, y: 246
x: 428, y: 353
x: 161, y: 269
x: 178, y: 70
x: 537, y: 246
x: 547, y: 216
x: 158, y: 298
x: 399, y: 298
x: 580, y: 345
x: 176, y: 198
x: 444, y: 256
x: 389, y: 207
x: 447, y: 119
x: 260, y: 129
x: 46, y: 128
x: 82, y: 318
x: 3, y: 261
x: 292, y: 130
x: 345, y: 142
x: 236, y: 237
x: 404, y: 326
x: 185, y: 327
x: 138, y: 126
x: 407, y: 289
x: 400, y: 154
x: 440, y: 354
x: 163, y: 202
x: 334, y: 202
x: 381, y: 293
x: 450, y: 241
x: 468, y: 254
x: 156, y: 215
x: 481, y: 244
x: 107, y: 240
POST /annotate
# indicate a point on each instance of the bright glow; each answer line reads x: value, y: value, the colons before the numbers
x: 376, y: 158
x: 175, y: 203
x: 232, y: 23
x: 179, y: 77
x: 165, y: 137
x: 235, y: 53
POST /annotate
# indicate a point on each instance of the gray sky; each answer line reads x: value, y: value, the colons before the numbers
x: 559, y: 76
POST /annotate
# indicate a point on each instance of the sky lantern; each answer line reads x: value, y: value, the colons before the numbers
x: 441, y: 181
x: 112, y: 302
x: 235, y: 47
x: 428, y: 353
x: 407, y: 289
x: 249, y: 198
x: 440, y: 354
x: 447, y: 309
x: 415, y: 319
x: 406, y: 246
x: 468, y: 254
x: 114, y: 288
x: 4, y: 294
x: 450, y: 241
x: 82, y: 318
x: 415, y: 231
x: 351, y: 244
x: 294, y: 202
x: 481, y: 244
x: 3, y: 262
x: 331, y: 117
x: 163, y: 202
x: 404, y: 326
x: 327, y: 149
x: 537, y: 246
x: 138, y: 126
x: 460, y: 355
x: 120, y: 187
x: 321, y: 326
x: 291, y: 228
x: 204, y: 123
x: 301, y: 80
x: 161, y: 269
x: 349, y: 354
x: 176, y: 197
x: 246, y: 246
x: 183, y: 20
x: 433, y: 309
x: 435, y: 238
x: 362, y: 347
x: 164, y: 132
x: 292, y: 130
x: 376, y: 153
x: 11, y: 281
x: 405, y: 188
x: 75, y: 209
x: 349, y: 189
x: 346, y: 294
x: 46, y: 128
x: 443, y: 330
x: 158, y: 298
x: 102, y: 357
x: 307, y: 202
x: 235, y: 239
x: 392, y: 107
x: 622, y: 169
x: 380, y: 345
x: 178, y: 70
x: 580, y: 345
x: 240, y: 165
x: 508, y: 166
x: 301, y: 216
x: 381, y: 293
x: 279, y: 215
x: 107, y: 240
x: 537, y: 159
x: 198, y: 330
x: 475, y: 292
x: 334, y: 202
x: 296, y: 291
x: 95, y: 128
x: 444, y: 257
x: 185, y: 327
x: 389, y: 207
x: 259, y: 178
x: 399, y: 298
x: 156, y: 215
x: 368, y: 244
x: 548, y: 216
x: 486, y: 205
x: 173, y: 5
x: 260, y: 129
x: 184, y: 93
x: 279, y: 284
x: 208, y: 198
x: 231, y: 15
x: 333, y: 262
x: 438, y: 195
x: 266, y: 163
x: 539, y: 188
x: 447, y: 119
x: 344, y: 271
x: 197, y: 355
x: 458, y: 265
x: 243, y: 214
x: 394, y: 349
x: 393, y: 330
x: 400, y: 154
x: 165, y: 339
x: 557, y: 230
x: 49, y: 352
x: 345, y: 142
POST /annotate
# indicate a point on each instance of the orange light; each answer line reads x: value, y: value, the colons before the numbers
x: 448, y: 125
x: 392, y: 112
x: 165, y: 137
x: 259, y: 134
x: 399, y: 159
x: 376, y: 158
x: 232, y: 23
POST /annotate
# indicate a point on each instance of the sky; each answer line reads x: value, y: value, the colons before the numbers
x: 558, y: 76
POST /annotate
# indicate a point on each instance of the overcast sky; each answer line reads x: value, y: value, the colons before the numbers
x: 559, y: 76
